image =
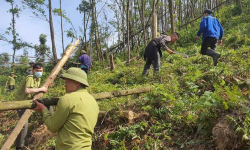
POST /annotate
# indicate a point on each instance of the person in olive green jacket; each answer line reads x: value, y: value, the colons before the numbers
x: 11, y: 81
x: 26, y: 91
x: 76, y: 114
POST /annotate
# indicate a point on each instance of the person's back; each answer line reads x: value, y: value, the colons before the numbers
x: 212, y: 27
x: 85, y: 61
x: 212, y: 32
x: 76, y: 132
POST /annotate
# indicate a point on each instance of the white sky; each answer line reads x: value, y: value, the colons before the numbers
x: 30, y: 28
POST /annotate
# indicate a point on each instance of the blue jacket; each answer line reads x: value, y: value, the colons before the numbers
x: 85, y: 61
x: 210, y: 27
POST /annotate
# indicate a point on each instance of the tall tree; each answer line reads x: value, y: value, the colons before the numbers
x: 52, y: 34
x: 85, y: 8
x: 171, y: 9
x: 61, y: 24
x: 128, y: 18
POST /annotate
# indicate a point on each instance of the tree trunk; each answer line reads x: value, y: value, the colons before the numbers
x: 28, y: 112
x: 143, y: 23
x: 61, y: 25
x: 94, y: 29
x: 112, y: 65
x: 166, y: 19
x: 128, y: 45
x: 14, y: 35
x: 123, y: 26
x: 180, y: 14
x: 171, y: 9
x: 52, y: 33
x: 91, y: 48
x: 28, y: 104
x: 99, y: 39
x: 153, y: 20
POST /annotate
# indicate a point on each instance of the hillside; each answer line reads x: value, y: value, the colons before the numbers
x: 192, y: 105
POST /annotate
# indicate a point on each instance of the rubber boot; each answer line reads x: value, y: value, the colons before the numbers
x: 214, y: 55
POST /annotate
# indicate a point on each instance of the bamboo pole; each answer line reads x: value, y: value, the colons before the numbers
x: 28, y: 104
x: 49, y: 80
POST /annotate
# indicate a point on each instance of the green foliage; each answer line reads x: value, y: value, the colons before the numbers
x: 42, y: 50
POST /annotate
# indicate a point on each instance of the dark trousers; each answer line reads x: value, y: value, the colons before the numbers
x: 155, y: 62
x: 86, y: 70
x: 208, y: 42
x: 11, y: 87
x: 21, y: 137
x: 20, y: 140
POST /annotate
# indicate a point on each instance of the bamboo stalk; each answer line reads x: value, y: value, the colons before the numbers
x: 28, y: 104
x: 49, y: 80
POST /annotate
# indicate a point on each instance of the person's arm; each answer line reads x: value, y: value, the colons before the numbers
x: 163, y: 44
x: 55, y: 121
x: 203, y: 26
x: 6, y: 83
x: 35, y: 90
x: 30, y: 84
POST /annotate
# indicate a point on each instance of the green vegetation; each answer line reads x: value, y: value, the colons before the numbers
x: 189, y: 97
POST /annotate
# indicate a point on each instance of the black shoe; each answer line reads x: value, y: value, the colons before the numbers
x: 215, y: 59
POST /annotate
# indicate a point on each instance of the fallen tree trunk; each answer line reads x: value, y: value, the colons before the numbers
x: 28, y: 104
x: 28, y: 112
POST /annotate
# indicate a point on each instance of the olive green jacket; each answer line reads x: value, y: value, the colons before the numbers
x: 73, y: 121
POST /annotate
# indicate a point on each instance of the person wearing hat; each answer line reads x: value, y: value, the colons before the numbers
x: 153, y: 51
x: 84, y: 59
x: 212, y: 32
x: 27, y: 89
x: 11, y: 81
x: 76, y: 114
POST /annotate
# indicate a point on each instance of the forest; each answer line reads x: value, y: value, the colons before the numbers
x: 191, y: 104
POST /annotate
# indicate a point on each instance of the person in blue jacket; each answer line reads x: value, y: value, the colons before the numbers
x: 85, y: 61
x: 211, y: 31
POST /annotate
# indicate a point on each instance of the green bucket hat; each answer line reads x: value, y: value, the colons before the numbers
x: 83, y: 52
x: 76, y: 74
x: 11, y: 72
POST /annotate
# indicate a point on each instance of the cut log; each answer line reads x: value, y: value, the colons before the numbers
x: 128, y: 114
x: 49, y: 80
x: 28, y: 104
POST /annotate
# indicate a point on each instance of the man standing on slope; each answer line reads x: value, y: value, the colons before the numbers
x: 76, y: 115
x: 27, y: 89
x: 211, y: 30
x: 84, y: 59
x: 153, y: 51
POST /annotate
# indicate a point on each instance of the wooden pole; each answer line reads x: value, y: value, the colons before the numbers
x: 28, y: 104
x: 49, y: 80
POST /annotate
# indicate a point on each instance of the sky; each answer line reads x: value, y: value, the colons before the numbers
x: 30, y: 28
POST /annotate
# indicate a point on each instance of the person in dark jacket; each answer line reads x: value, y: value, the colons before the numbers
x: 84, y: 59
x: 212, y: 32
x: 153, y: 51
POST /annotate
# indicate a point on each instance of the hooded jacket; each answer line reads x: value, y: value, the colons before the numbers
x: 210, y: 27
